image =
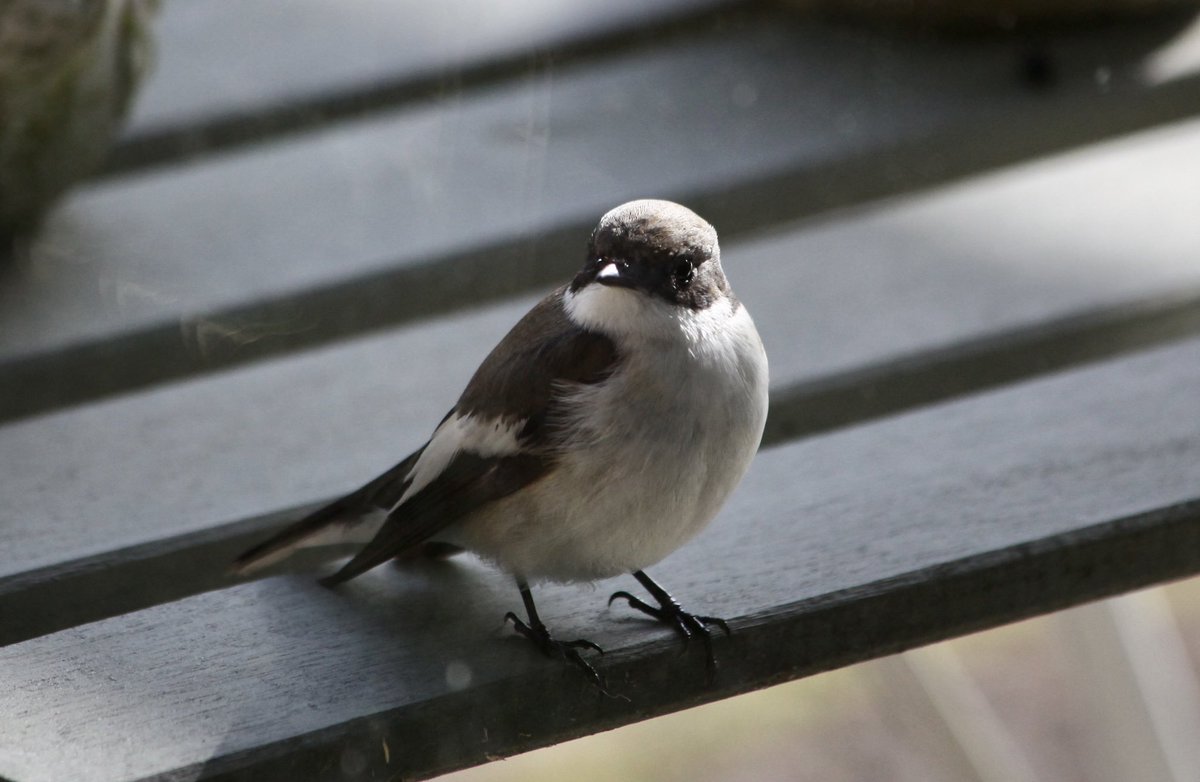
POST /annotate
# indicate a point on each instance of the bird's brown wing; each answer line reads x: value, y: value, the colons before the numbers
x: 522, y: 379
x: 467, y: 483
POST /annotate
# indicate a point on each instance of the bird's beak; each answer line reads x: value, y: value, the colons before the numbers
x: 610, y: 271
x: 616, y: 274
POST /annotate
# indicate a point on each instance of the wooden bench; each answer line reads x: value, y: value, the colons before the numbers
x: 984, y: 398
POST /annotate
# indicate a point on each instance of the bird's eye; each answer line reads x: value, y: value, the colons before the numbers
x: 682, y: 273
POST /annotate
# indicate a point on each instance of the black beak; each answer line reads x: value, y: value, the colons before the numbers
x: 616, y: 274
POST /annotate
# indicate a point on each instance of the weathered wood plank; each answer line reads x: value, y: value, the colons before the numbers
x: 327, y: 62
x: 482, y: 195
x: 147, y: 568
x: 229, y: 71
x: 863, y: 315
x: 836, y: 549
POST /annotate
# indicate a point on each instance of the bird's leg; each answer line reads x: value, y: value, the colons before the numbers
x: 669, y: 613
x: 536, y: 631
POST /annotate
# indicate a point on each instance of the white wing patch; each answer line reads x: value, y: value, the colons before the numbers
x: 490, y: 437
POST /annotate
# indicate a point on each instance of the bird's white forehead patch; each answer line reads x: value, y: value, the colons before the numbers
x: 484, y: 437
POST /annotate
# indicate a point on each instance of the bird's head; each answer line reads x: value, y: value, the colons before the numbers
x: 649, y: 263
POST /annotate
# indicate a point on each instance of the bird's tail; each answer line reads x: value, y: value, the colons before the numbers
x: 341, y: 521
x: 354, y: 518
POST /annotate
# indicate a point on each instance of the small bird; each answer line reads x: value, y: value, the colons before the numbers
x: 603, y: 432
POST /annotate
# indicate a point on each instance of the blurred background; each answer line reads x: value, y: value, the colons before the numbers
x: 192, y: 186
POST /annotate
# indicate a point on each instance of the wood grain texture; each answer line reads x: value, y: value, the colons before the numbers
x: 862, y: 314
x: 283, y: 73
x: 835, y: 549
x: 218, y: 62
x: 482, y: 195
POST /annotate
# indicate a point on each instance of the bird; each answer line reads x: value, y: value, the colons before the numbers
x: 604, y: 431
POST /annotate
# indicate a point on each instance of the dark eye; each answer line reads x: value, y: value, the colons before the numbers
x: 682, y: 273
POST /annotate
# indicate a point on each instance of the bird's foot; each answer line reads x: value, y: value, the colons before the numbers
x: 687, y: 625
x: 567, y: 650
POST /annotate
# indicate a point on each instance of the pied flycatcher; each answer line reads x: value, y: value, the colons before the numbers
x: 604, y: 431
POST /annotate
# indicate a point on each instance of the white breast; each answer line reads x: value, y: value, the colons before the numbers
x: 656, y: 449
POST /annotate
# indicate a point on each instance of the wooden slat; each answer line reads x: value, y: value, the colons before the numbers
x: 835, y: 549
x: 418, y: 210
x: 324, y: 61
x: 227, y: 72
x: 863, y: 315
x: 280, y: 73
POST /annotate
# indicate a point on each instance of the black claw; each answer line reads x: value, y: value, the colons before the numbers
x: 567, y: 650
x: 637, y: 603
x: 583, y: 643
x: 671, y: 614
x: 718, y: 621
